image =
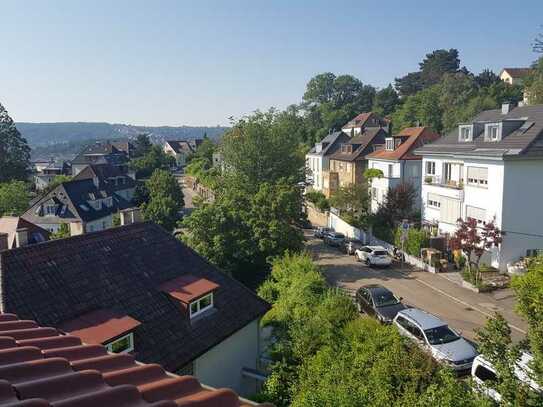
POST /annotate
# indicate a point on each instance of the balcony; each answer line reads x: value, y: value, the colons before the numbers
x: 450, y: 188
x: 446, y: 183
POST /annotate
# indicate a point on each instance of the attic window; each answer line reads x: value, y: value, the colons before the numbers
x: 124, y: 344
x: 389, y: 144
x: 201, y: 305
x: 492, y: 132
x: 465, y: 133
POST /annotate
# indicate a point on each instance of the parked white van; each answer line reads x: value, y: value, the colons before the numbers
x: 483, y: 372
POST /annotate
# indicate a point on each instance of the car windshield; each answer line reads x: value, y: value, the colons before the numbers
x: 380, y: 253
x: 441, y: 334
x: 384, y: 299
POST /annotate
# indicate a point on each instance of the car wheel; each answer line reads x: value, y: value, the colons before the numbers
x: 368, y: 262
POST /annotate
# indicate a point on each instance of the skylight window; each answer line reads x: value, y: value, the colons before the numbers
x: 124, y: 344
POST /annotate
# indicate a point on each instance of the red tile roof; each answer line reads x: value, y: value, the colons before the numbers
x: 40, y: 367
x: 188, y: 287
x: 415, y: 137
x: 100, y: 326
x: 361, y: 119
x: 517, y: 72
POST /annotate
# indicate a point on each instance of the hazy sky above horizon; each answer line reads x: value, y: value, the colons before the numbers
x: 197, y: 63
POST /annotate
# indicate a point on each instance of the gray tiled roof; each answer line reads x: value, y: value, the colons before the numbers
x: 333, y: 141
x: 71, y: 195
x: 525, y: 141
x: 122, y: 269
x: 363, y: 144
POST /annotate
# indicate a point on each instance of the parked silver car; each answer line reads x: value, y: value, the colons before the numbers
x: 350, y: 245
x: 321, y: 231
x: 433, y: 335
x: 334, y: 239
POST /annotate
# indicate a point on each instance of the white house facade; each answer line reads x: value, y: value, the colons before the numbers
x: 318, y: 159
x: 490, y: 169
x: 398, y: 164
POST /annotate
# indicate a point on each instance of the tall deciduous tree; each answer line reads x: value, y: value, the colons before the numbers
x: 386, y: 101
x: 142, y: 145
x: 14, y: 198
x: 438, y: 63
x: 258, y: 150
x: 14, y: 150
x: 165, y: 199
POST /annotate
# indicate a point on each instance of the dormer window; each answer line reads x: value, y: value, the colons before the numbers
x: 492, y: 132
x: 389, y: 144
x: 124, y: 344
x: 201, y: 305
x: 194, y: 294
x: 465, y: 133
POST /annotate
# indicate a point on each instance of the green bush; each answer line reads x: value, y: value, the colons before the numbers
x: 416, y: 240
x: 318, y: 199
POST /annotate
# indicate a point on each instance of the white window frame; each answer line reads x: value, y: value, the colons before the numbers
x: 465, y: 133
x: 130, y: 348
x: 433, y: 201
x: 470, y: 208
x: 477, y: 181
x: 430, y: 168
x: 200, y: 310
x: 389, y: 144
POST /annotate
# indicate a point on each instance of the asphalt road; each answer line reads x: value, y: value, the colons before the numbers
x: 462, y: 309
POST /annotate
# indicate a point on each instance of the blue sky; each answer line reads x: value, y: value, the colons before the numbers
x: 197, y: 63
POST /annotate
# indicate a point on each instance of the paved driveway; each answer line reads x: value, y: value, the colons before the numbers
x: 436, y: 293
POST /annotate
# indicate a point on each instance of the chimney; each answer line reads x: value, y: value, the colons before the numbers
x: 76, y: 228
x: 506, y: 107
x: 3, y: 241
x: 21, y: 237
x: 130, y: 215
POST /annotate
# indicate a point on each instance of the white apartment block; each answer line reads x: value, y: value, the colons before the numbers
x: 318, y: 158
x: 489, y: 169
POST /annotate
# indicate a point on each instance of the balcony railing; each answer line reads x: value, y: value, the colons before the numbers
x: 442, y: 182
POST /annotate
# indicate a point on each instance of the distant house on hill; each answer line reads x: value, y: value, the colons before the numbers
x: 363, y: 121
x: 45, y: 172
x: 17, y: 232
x: 180, y: 149
x: 140, y: 291
x: 102, y: 153
x: 514, y: 76
x: 81, y: 204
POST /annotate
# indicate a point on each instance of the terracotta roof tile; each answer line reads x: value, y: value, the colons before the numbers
x: 188, y: 288
x: 414, y: 137
x: 100, y: 326
x: 87, y: 376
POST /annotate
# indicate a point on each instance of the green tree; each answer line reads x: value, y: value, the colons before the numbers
x: 204, y: 151
x: 353, y: 203
x: 386, y: 101
x: 165, y: 199
x: 534, y: 84
x: 239, y: 232
x: 257, y: 149
x: 142, y: 145
x: 62, y: 232
x: 154, y: 159
x: 486, y: 78
x: 318, y: 199
x: 438, y: 63
x: 409, y: 84
x: 14, y: 150
x: 14, y: 198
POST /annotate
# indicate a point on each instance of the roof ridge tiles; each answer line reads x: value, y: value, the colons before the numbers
x: 29, y: 372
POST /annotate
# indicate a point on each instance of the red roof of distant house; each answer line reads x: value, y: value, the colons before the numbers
x: 361, y: 119
x: 188, y: 287
x: 517, y: 72
x: 100, y: 326
x: 415, y: 137
x: 41, y: 367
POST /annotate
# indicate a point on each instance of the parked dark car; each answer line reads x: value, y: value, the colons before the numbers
x: 350, y: 245
x: 379, y: 302
x: 321, y: 231
x: 334, y: 239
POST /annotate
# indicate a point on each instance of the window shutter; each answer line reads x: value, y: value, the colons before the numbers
x: 450, y: 210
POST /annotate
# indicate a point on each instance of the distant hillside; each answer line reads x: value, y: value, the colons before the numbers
x: 46, y: 134
x: 65, y: 140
